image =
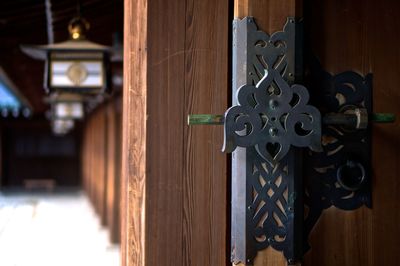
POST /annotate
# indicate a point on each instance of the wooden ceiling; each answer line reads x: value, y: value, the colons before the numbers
x: 25, y: 22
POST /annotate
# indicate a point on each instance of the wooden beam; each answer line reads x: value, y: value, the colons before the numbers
x: 270, y: 16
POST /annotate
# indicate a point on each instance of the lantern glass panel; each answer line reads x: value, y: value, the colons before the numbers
x: 76, y: 74
x: 69, y: 110
x: 62, y: 126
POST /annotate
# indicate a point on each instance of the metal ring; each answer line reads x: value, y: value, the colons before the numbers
x: 361, y: 179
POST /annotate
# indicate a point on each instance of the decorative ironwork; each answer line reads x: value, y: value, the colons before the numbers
x: 342, y: 147
x: 263, y: 120
x: 271, y: 198
x: 268, y: 117
x: 272, y: 116
x: 268, y: 122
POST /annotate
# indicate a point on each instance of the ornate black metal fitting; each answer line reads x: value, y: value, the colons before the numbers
x: 270, y: 119
x: 339, y: 176
x: 270, y: 115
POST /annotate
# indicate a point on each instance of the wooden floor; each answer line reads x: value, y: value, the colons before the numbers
x: 52, y: 229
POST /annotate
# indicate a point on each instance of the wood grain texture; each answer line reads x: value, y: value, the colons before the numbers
x: 165, y: 132
x: 173, y: 198
x: 134, y: 133
x: 363, y: 37
x: 270, y: 16
x: 179, y: 197
x: 205, y: 177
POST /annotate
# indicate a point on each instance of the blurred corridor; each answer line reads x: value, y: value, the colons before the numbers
x: 46, y: 229
x: 60, y: 132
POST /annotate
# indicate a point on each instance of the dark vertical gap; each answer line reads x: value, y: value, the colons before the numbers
x: 303, y: 47
x: 229, y: 156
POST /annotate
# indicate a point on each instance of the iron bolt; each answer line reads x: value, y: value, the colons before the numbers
x: 273, y: 131
x: 273, y: 104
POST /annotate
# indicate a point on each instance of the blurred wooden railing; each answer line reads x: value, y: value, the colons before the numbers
x: 101, y: 163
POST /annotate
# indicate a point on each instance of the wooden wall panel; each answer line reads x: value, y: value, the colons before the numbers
x: 338, y: 41
x: 164, y: 206
x: 270, y: 15
x: 175, y: 176
x: 205, y: 221
x: 362, y: 36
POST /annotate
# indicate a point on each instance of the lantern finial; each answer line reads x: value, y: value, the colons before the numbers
x: 78, y: 27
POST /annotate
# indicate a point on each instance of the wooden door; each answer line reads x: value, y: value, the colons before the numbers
x: 362, y: 36
x: 175, y: 180
x: 174, y: 177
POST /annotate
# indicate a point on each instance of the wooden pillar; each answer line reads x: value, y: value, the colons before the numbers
x: 98, y: 168
x: 94, y: 158
x: 175, y: 199
x: 270, y: 16
x: 134, y: 134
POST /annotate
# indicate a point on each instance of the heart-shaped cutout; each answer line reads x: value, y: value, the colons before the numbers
x: 272, y: 152
x: 273, y: 149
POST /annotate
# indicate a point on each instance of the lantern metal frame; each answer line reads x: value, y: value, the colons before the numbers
x: 76, y: 50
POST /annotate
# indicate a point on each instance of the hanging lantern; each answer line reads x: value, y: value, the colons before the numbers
x: 62, y: 126
x: 66, y: 106
x: 77, y: 65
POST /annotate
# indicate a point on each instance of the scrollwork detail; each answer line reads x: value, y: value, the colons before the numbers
x: 272, y: 116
